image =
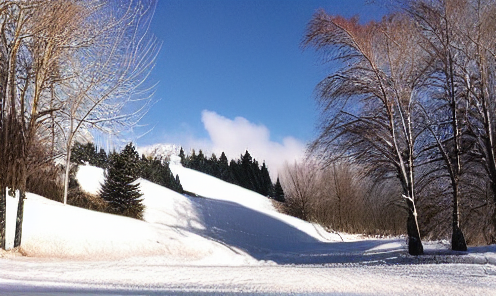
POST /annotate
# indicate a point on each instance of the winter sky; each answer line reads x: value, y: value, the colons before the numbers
x: 233, y: 76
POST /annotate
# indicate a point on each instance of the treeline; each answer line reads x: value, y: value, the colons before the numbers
x: 245, y: 172
x: 411, y: 100
x: 155, y: 170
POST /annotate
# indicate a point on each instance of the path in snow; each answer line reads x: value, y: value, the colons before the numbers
x: 128, y: 277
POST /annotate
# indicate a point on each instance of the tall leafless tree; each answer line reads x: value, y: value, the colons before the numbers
x: 438, y: 21
x: 67, y: 65
x: 369, y: 106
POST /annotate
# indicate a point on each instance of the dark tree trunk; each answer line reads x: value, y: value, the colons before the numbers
x: 414, y: 242
x: 2, y: 218
x: 19, y: 219
x: 458, y: 242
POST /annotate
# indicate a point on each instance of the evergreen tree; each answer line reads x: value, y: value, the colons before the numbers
x: 183, y: 158
x: 101, y: 159
x: 224, y: 171
x: 245, y: 176
x: 193, y: 160
x: 87, y: 153
x: 120, y: 190
x: 213, y: 166
x: 278, y: 192
x: 201, y: 162
x: 267, y: 187
x: 158, y: 172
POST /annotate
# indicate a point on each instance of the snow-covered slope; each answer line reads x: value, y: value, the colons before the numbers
x: 216, y: 189
x: 230, y: 225
x: 168, y: 231
x: 225, y: 225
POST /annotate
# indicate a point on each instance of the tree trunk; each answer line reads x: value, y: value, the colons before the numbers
x: 66, y: 177
x: 19, y: 220
x: 458, y: 242
x: 68, y: 160
x: 2, y: 218
x: 414, y: 242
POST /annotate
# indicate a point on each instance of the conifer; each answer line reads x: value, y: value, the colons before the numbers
x: 278, y: 192
x: 120, y: 190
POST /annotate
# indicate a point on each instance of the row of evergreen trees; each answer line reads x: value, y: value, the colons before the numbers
x: 245, y: 172
x: 152, y: 169
x: 120, y: 190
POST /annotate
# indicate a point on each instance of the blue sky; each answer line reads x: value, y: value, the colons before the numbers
x: 225, y: 61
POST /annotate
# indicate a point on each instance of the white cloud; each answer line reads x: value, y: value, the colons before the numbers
x: 235, y: 136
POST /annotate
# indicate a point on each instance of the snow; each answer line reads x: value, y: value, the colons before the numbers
x: 162, y: 151
x: 225, y: 240
x: 54, y: 230
x: 90, y: 178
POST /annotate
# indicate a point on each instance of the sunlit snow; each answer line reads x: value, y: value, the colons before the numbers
x: 225, y: 239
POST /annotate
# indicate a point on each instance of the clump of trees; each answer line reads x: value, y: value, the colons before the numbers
x: 341, y: 198
x: 155, y: 170
x: 245, y: 172
x: 67, y: 66
x: 412, y: 100
x: 120, y: 193
x: 88, y: 154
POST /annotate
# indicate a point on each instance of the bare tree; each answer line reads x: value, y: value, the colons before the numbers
x: 300, y: 188
x: 479, y: 76
x: 119, y: 54
x: 67, y: 66
x: 340, y: 198
x: 437, y: 21
x: 369, y: 105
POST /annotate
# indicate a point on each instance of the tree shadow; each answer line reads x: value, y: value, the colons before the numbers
x: 267, y: 238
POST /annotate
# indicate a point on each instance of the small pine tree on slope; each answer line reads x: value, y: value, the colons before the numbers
x: 120, y: 190
x: 278, y: 192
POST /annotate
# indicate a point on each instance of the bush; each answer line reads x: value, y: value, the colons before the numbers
x: 47, y: 181
x: 340, y: 198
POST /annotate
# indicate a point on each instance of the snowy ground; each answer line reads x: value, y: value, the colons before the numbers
x: 226, y: 240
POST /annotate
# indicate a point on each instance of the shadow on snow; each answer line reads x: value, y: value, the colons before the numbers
x: 267, y: 238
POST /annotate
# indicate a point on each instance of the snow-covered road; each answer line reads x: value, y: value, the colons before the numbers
x: 129, y: 278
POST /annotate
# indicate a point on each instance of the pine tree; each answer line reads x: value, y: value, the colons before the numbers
x: 278, y: 192
x: 224, y: 172
x: 101, y: 159
x: 120, y: 190
x: 183, y: 158
x: 267, y: 187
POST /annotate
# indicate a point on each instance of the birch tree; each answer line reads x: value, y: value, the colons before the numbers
x: 438, y: 22
x: 479, y: 79
x: 369, y: 105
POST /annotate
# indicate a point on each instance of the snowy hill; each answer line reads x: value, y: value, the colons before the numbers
x: 225, y: 225
x: 57, y: 231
